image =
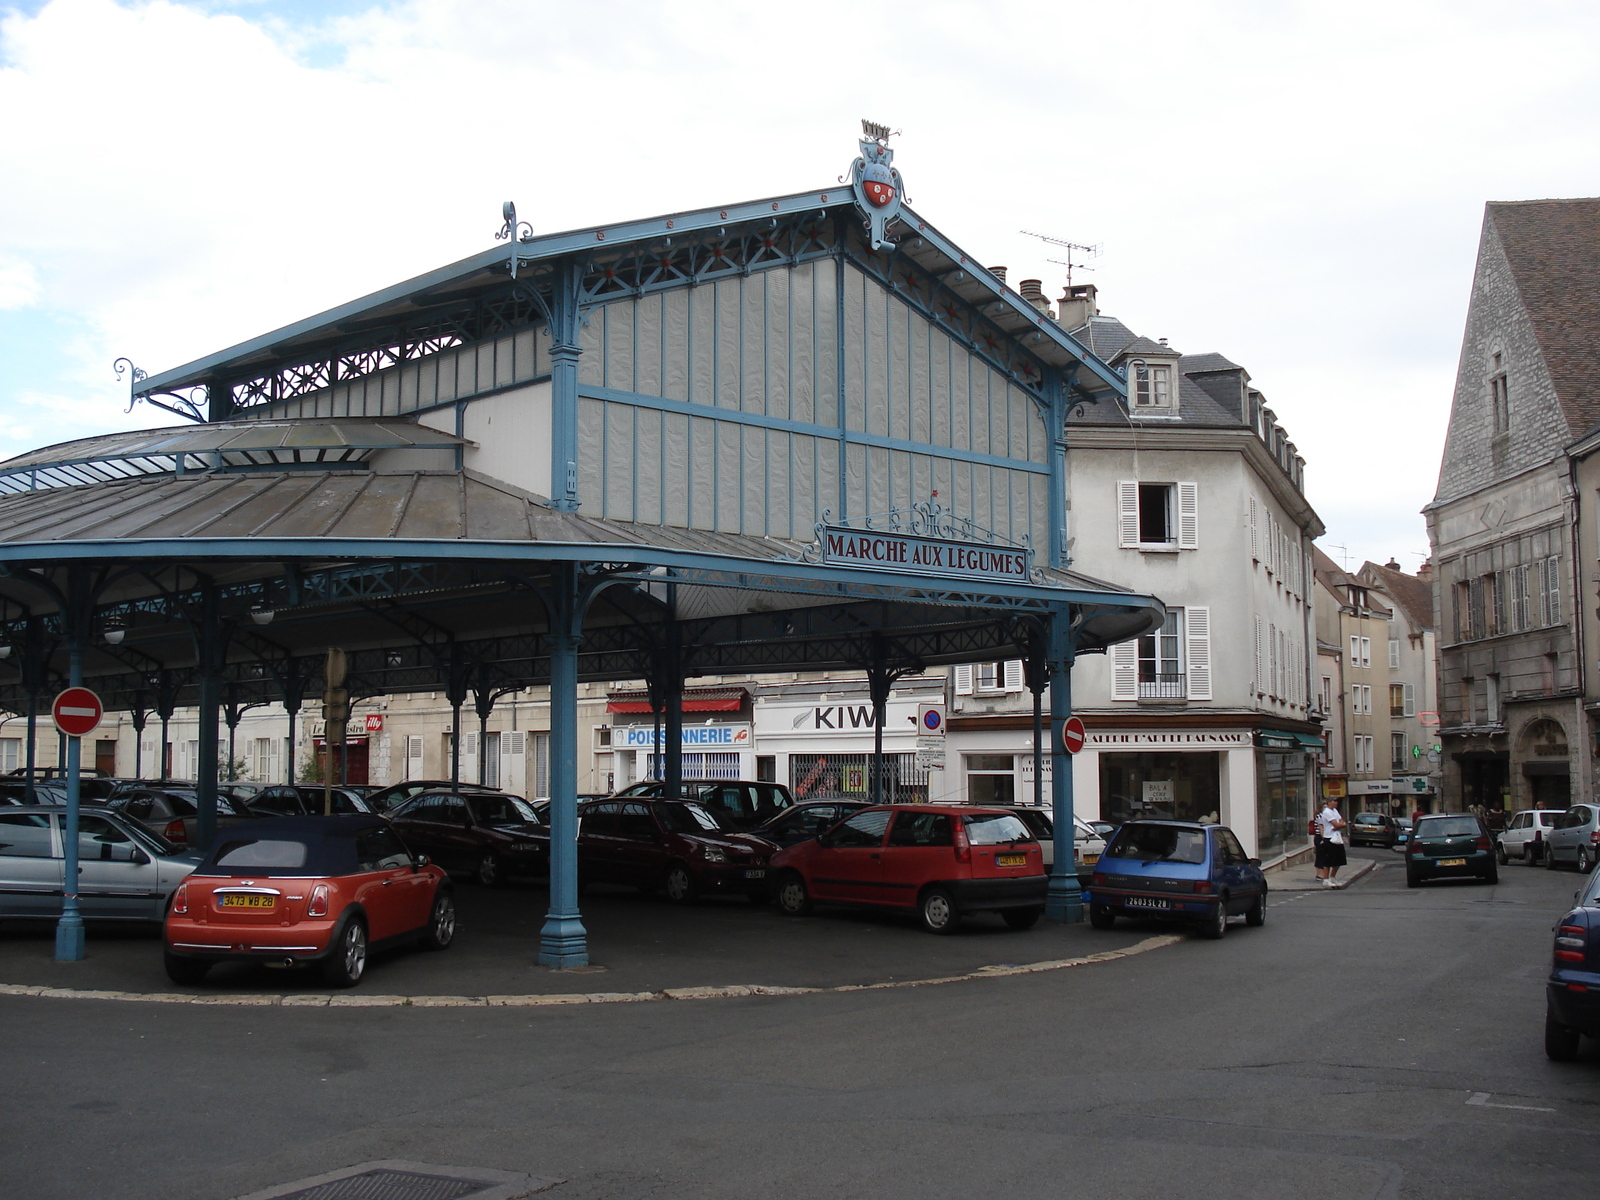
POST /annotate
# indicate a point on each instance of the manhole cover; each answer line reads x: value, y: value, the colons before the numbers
x: 396, y: 1179
x: 389, y: 1185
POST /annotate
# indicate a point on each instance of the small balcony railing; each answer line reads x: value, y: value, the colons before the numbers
x: 1164, y: 687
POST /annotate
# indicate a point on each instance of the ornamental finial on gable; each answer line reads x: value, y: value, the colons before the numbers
x: 878, y: 187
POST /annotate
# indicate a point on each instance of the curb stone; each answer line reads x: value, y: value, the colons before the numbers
x: 706, y: 992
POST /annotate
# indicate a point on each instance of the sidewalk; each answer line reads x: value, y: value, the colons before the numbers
x: 1303, y: 878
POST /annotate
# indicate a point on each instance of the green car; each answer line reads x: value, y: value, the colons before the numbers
x: 1450, y: 846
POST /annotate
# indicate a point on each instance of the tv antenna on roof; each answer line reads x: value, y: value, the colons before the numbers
x: 1073, y: 249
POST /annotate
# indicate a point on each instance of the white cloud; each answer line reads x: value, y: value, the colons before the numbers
x: 1297, y: 185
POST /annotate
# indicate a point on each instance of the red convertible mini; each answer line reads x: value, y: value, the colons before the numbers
x: 294, y: 890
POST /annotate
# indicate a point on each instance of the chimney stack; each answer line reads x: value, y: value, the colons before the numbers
x: 1391, y: 565
x: 1425, y: 571
x: 1076, y: 306
x: 999, y: 273
x: 1033, y: 292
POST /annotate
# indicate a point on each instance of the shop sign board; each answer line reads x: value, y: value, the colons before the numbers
x: 1412, y: 783
x: 643, y: 737
x: 924, y: 556
x: 1370, y: 787
x: 1333, y: 789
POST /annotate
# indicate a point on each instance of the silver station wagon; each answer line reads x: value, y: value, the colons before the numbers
x: 125, y: 872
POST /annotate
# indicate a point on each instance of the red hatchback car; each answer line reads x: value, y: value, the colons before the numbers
x: 295, y: 890
x: 940, y: 861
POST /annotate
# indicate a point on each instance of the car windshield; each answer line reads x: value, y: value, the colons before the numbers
x: 1433, y: 827
x: 503, y: 810
x: 689, y: 818
x: 264, y: 856
x: 1159, y: 843
x: 991, y: 829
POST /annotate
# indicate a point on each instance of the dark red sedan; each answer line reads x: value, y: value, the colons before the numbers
x: 683, y: 849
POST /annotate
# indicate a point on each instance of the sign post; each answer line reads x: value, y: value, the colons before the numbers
x: 77, y: 711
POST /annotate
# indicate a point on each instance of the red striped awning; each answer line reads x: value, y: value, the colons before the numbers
x: 694, y: 700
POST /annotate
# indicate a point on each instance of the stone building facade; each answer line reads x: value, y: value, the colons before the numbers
x: 1504, y: 523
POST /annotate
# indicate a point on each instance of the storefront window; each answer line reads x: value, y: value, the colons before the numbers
x: 991, y: 779
x: 1182, y: 787
x: 1283, y: 801
x: 849, y: 776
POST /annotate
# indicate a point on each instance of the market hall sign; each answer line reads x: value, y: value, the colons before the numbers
x: 924, y: 556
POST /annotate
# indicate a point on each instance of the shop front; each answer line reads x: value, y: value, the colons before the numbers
x: 820, y: 742
x: 1286, y: 772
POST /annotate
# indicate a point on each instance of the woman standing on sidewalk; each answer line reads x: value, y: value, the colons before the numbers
x: 1330, y: 846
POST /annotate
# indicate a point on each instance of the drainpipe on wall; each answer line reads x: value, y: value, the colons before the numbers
x: 1574, y: 512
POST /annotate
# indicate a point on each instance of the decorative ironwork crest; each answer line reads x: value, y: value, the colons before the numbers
x: 878, y: 187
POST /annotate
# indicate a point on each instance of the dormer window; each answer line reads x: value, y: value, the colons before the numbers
x: 1152, y: 384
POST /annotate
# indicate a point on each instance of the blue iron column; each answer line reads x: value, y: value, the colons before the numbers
x: 1064, y: 900
x: 69, y: 929
x: 564, y: 942
x: 564, y: 355
x: 1056, y: 387
x: 208, y: 706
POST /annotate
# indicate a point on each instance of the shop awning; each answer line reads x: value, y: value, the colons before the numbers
x: 1282, y: 739
x: 694, y: 700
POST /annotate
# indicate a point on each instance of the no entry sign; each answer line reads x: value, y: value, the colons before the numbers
x: 1072, y: 735
x: 77, y: 711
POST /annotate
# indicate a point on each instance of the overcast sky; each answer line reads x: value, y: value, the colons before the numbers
x: 1298, y: 186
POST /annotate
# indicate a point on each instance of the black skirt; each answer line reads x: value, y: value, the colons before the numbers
x: 1330, y: 854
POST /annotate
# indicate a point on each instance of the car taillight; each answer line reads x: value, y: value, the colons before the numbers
x: 318, y: 907
x: 1569, y: 943
x: 1594, y: 838
x: 1481, y: 844
x: 174, y: 832
x: 1203, y: 887
x: 1570, y: 955
x: 180, y: 900
x: 963, y: 847
x: 1413, y: 848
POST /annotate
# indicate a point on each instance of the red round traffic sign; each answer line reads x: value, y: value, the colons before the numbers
x: 1072, y: 735
x: 77, y: 711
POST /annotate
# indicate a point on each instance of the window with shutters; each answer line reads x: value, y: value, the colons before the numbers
x: 1397, y: 700
x: 1394, y: 654
x: 1161, y: 661
x: 1260, y: 683
x: 1169, y: 663
x: 541, y: 764
x: 963, y: 675
x: 413, y: 764
x: 1408, y: 700
x: 992, y: 677
x: 1397, y: 752
x: 1158, y: 516
x: 1552, y: 590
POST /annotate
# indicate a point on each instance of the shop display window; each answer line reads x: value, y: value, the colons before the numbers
x: 1157, y: 786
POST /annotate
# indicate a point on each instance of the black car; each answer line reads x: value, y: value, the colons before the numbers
x: 742, y: 804
x: 491, y: 835
x: 1373, y: 829
x: 1572, y: 993
x: 802, y: 821
x: 1450, y: 846
x: 310, y: 800
x: 381, y: 800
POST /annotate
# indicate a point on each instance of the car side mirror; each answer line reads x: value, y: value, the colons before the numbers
x: 1255, y: 862
x: 824, y: 840
x: 140, y: 858
x: 421, y: 861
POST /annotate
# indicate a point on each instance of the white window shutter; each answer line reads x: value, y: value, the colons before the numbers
x: 515, y: 741
x: 964, y: 679
x: 1409, y: 699
x: 469, y: 745
x: 1255, y: 538
x: 1014, y: 675
x: 1260, y: 683
x: 1272, y: 660
x: 1188, y: 516
x: 1197, y: 633
x: 1125, y: 671
x: 1128, y: 513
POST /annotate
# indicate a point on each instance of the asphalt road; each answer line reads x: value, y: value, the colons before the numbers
x: 1331, y: 1054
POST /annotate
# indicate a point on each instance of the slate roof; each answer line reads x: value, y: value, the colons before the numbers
x: 1111, y: 340
x: 1553, y: 249
x: 1412, y: 594
x: 1200, y: 364
x: 1143, y: 345
x: 1104, y: 336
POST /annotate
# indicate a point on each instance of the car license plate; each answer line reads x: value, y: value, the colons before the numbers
x: 1147, y: 902
x: 1091, y: 858
x: 758, y: 873
x: 1010, y: 860
x: 1452, y: 862
x: 248, y: 901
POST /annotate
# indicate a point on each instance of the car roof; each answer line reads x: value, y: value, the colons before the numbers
x: 308, y: 827
x: 1176, y: 824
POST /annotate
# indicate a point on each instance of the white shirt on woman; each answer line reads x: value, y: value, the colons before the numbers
x: 1326, y: 821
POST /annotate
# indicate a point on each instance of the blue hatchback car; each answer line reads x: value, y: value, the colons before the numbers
x: 1181, y: 870
x: 1572, y: 992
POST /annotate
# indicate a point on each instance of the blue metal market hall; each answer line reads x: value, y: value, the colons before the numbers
x: 802, y: 433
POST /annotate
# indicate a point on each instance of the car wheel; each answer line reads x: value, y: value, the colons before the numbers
x: 1499, y: 854
x: 938, y: 912
x: 1549, y: 857
x: 681, y: 887
x: 1101, y: 916
x: 1413, y: 879
x: 441, y: 923
x: 488, y: 873
x: 348, y: 962
x: 1215, y: 925
x: 1256, y: 915
x: 1021, y: 918
x: 1560, y: 1041
x: 188, y: 971
x: 1493, y: 876
x: 1529, y: 857
x: 793, y: 898
x: 1584, y: 862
